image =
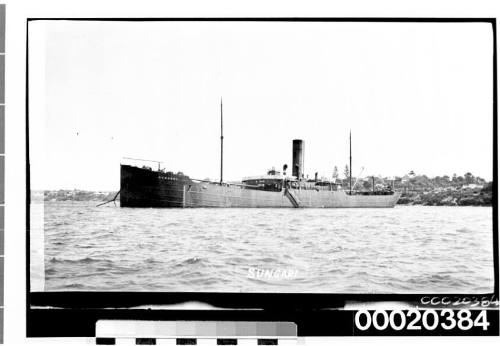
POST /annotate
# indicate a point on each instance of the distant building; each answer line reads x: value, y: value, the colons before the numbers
x: 472, y: 187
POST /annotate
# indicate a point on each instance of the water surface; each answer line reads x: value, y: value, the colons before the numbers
x: 408, y: 249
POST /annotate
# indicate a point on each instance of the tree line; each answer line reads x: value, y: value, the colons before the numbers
x: 410, y: 181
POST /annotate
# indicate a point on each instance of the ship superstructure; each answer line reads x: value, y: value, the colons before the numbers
x: 145, y: 187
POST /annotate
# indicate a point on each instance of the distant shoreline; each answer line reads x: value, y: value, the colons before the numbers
x: 448, y: 198
x: 436, y: 197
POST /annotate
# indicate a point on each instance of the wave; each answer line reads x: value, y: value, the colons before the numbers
x: 191, y: 260
x: 74, y: 286
x: 61, y: 223
x: 438, y: 278
x: 85, y: 260
x: 50, y: 271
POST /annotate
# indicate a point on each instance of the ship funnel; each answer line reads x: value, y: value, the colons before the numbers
x: 298, y: 158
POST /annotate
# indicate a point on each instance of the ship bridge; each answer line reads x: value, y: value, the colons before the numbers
x: 272, y: 181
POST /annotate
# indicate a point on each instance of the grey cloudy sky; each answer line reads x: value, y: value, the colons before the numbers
x: 417, y: 96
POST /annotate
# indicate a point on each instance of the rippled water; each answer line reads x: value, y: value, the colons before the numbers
x: 408, y: 249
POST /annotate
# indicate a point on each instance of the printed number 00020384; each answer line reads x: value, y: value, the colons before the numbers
x: 416, y: 320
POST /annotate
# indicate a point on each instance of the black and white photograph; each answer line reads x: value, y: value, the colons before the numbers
x: 261, y: 156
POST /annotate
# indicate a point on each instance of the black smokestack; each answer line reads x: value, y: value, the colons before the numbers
x: 298, y: 158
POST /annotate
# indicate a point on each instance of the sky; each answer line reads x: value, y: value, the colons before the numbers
x: 416, y: 97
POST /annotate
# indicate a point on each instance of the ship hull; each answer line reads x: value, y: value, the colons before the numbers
x: 152, y: 189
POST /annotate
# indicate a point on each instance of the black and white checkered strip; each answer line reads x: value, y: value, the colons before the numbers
x: 129, y: 332
x: 197, y: 341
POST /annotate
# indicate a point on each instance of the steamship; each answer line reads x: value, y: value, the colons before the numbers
x: 143, y: 187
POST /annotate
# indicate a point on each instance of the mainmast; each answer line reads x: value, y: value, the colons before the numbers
x: 350, y: 164
x: 221, y: 142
